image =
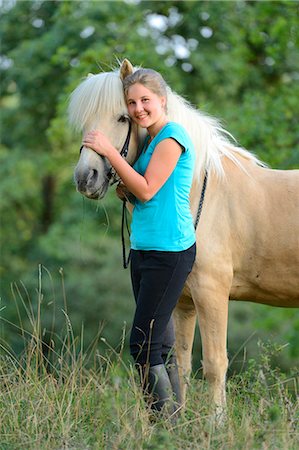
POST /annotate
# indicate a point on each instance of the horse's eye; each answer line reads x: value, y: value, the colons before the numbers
x: 122, y: 119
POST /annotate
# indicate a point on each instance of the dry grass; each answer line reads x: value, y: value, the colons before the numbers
x: 67, y: 405
x: 75, y: 399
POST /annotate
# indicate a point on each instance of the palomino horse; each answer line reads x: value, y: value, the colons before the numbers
x: 248, y: 233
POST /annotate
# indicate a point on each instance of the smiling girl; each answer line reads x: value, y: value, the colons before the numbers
x: 162, y: 232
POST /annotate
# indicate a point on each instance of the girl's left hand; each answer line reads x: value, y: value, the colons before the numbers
x: 98, y: 142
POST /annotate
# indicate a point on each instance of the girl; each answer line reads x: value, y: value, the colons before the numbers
x: 162, y: 232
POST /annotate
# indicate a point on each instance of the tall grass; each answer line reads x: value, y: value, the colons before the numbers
x: 63, y: 397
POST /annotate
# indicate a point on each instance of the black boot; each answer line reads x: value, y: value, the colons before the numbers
x: 173, y: 374
x: 169, y: 359
x: 157, y: 385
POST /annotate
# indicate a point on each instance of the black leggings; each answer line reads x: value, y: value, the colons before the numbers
x: 158, y: 278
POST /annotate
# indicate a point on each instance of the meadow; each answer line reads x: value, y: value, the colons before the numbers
x: 62, y: 388
x: 64, y: 396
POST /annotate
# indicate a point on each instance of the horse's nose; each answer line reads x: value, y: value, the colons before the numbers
x: 81, y: 185
x: 92, y: 177
x: 85, y: 180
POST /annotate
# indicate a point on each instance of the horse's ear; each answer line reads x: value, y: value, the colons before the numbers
x: 126, y: 69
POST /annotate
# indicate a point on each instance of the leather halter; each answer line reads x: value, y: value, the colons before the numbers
x: 112, y: 174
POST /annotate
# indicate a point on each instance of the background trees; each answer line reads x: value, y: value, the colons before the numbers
x: 235, y: 60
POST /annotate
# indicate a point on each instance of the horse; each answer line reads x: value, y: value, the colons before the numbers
x: 248, y: 233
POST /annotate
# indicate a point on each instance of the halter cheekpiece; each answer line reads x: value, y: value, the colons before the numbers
x: 111, y: 174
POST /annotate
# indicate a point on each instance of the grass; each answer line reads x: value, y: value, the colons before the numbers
x: 100, y: 407
x: 75, y: 399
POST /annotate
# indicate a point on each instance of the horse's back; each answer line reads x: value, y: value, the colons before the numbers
x: 252, y: 227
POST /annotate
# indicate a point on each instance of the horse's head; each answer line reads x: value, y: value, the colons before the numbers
x: 98, y: 103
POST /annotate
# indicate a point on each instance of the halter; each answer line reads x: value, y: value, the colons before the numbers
x: 114, y: 178
x: 112, y: 174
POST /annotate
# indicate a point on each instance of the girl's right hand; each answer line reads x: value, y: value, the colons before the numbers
x: 98, y: 142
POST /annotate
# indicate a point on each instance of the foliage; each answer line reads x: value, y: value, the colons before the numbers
x: 242, y: 65
x: 237, y: 60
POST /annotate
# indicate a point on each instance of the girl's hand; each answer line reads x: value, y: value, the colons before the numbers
x: 123, y: 193
x: 98, y: 142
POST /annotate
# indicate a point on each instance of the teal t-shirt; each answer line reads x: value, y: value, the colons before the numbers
x: 165, y: 221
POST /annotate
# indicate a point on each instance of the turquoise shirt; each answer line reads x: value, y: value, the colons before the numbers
x: 165, y: 221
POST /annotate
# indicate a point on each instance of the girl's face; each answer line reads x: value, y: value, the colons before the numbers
x: 145, y: 107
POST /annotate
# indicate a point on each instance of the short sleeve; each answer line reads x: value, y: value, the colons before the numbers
x: 175, y: 131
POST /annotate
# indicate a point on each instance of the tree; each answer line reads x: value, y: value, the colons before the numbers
x: 47, y: 48
x: 236, y: 60
x: 240, y: 61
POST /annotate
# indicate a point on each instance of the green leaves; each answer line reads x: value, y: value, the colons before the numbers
x: 236, y: 60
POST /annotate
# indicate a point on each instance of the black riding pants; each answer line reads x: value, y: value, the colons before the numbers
x: 158, y: 278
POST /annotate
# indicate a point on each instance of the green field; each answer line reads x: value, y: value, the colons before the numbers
x: 74, y: 399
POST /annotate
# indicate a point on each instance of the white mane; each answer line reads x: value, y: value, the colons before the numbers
x: 97, y: 96
x: 210, y: 139
x: 102, y: 95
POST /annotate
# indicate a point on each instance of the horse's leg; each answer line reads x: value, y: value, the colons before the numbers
x: 212, y: 311
x: 184, y: 319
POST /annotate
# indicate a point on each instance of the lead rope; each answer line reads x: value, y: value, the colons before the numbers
x: 124, y: 223
x: 202, y: 197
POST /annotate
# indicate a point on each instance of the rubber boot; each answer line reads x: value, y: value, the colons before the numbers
x: 173, y: 374
x: 169, y: 359
x: 157, y: 385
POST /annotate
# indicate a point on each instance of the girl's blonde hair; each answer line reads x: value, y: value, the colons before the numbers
x: 149, y: 78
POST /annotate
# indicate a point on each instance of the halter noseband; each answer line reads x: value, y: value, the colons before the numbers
x: 112, y: 175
